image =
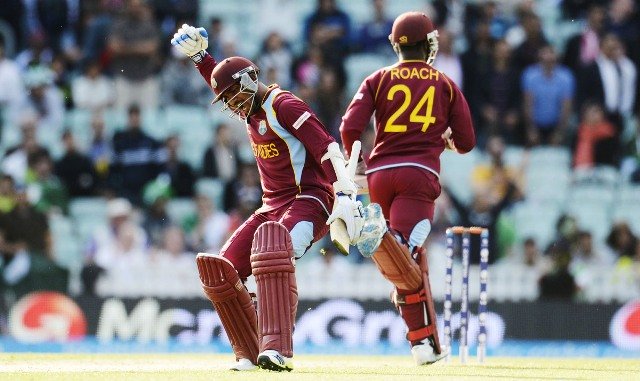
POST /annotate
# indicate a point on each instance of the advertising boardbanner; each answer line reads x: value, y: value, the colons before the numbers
x: 51, y: 321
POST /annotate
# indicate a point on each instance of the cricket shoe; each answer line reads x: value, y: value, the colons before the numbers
x: 244, y: 365
x: 423, y: 353
x: 272, y: 360
x: 373, y: 230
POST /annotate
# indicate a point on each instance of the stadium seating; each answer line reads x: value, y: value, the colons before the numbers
x: 212, y: 188
x: 66, y: 246
x: 547, y: 184
x: 88, y: 214
x: 359, y: 66
x: 456, y: 172
x: 548, y: 157
x: 592, y: 216
x: 180, y: 208
x: 536, y: 220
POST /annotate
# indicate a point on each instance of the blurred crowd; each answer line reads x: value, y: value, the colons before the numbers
x: 525, y: 88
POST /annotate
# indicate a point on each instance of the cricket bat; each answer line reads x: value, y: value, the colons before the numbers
x: 338, y: 229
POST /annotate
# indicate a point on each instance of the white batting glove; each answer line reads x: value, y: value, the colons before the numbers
x: 350, y: 211
x: 191, y: 41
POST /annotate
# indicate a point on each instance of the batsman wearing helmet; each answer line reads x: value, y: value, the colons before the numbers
x: 418, y: 113
x: 298, y: 161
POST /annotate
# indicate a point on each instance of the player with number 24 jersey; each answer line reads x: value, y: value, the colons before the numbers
x: 418, y: 113
x: 414, y: 104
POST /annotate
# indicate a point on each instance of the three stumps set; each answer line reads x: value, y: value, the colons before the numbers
x: 465, y: 234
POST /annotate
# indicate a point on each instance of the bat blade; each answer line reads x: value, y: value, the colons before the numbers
x: 339, y: 236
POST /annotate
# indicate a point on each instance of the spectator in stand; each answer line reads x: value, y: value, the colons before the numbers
x: 623, y: 22
x: 44, y: 99
x: 15, y: 158
x: 75, y: 169
x: 484, y: 211
x: 494, y: 178
x: 276, y: 55
x: 93, y: 90
x: 586, y: 254
x: 630, y: 168
x: 447, y: 61
x: 12, y: 91
x: 450, y: 14
x: 12, y: 15
x: 587, y: 260
x: 559, y: 284
x: 329, y: 28
x: 548, y: 99
x: 498, y: 23
x: 172, y: 13
x: 330, y: 102
x: 566, y: 231
x: 243, y: 192
x: 137, y: 159
x: 46, y: 192
x: 173, y: 251
x: 216, y: 36
x: 156, y: 218
x: 113, y: 245
x: 7, y: 194
x: 575, y: 9
x: 533, y: 258
x: 25, y: 244
x: 26, y: 228
x: 55, y: 19
x: 476, y: 62
x: 97, y: 23
x: 528, y: 52
x: 610, y: 81
x: 583, y: 48
x: 100, y: 151
x: 597, y: 139
x: 306, y: 70
x: 222, y: 159
x: 181, y: 86
x: 173, y: 261
x: 499, y: 96
x: 134, y: 44
x: 61, y: 68
x: 622, y: 241
x: 209, y: 228
x: 182, y: 178
x: 373, y: 36
x: 38, y: 52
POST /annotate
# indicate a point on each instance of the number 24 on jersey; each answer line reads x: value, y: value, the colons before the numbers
x: 418, y: 114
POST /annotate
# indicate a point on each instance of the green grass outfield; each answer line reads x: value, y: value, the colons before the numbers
x: 107, y: 367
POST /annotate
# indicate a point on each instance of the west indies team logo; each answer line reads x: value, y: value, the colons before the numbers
x: 46, y: 316
x: 262, y: 127
x: 625, y: 326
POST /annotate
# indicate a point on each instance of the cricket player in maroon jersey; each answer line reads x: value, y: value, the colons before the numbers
x: 418, y: 113
x: 296, y: 158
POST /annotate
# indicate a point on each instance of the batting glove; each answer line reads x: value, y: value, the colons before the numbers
x: 350, y: 211
x: 191, y: 41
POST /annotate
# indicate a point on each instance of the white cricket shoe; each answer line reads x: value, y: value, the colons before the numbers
x: 272, y: 360
x: 372, y: 231
x: 423, y: 354
x: 244, y: 365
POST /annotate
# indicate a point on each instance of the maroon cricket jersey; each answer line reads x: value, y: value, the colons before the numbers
x: 413, y: 104
x: 288, y: 142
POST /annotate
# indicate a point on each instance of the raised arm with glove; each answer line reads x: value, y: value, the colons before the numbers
x: 191, y: 41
